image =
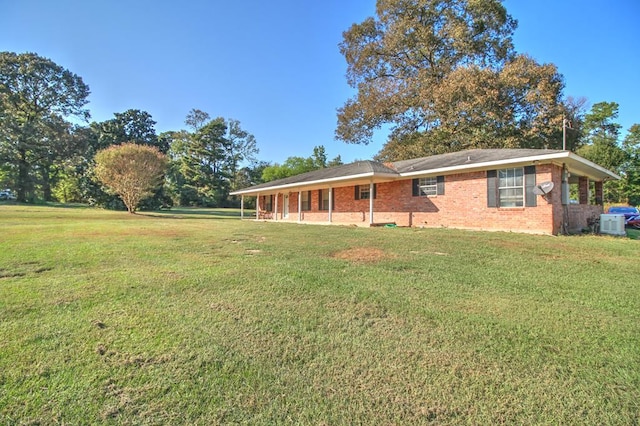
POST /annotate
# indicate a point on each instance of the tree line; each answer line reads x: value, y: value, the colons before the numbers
x: 48, y: 148
x: 441, y: 75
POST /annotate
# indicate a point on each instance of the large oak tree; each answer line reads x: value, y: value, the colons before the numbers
x: 444, y: 76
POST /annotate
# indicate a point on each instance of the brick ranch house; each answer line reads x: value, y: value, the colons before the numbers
x: 483, y: 189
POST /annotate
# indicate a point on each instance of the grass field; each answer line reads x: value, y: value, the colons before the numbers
x: 195, y: 317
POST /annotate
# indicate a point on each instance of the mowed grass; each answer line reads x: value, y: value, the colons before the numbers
x: 195, y: 317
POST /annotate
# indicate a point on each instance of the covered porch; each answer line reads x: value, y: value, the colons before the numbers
x: 314, y: 204
x: 311, y: 197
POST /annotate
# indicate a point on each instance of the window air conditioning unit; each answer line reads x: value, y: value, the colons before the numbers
x: 612, y: 224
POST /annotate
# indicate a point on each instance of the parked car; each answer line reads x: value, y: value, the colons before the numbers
x: 7, y: 195
x: 631, y: 214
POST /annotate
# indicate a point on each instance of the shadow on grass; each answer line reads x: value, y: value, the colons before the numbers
x: 195, y: 213
x: 66, y: 205
x: 173, y: 213
x: 47, y: 204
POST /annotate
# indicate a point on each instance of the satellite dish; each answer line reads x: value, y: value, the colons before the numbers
x: 543, y: 189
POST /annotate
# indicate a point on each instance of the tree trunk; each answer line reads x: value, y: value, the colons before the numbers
x: 22, y: 185
x: 46, y: 183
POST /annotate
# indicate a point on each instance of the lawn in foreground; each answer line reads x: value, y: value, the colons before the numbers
x: 201, y: 318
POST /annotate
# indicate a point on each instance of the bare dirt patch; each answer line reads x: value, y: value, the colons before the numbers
x: 363, y: 255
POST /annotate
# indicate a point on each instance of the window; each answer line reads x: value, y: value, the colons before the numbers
x: 268, y: 203
x: 511, y: 187
x: 323, y: 199
x: 363, y: 192
x: 428, y: 186
x: 306, y: 200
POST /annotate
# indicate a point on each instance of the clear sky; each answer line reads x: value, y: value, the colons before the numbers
x: 275, y: 65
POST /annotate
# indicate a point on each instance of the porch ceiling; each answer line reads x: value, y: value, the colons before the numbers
x: 579, y: 166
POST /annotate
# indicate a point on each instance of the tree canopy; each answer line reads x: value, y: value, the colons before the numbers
x: 297, y: 165
x: 36, y: 95
x: 631, y: 167
x: 443, y: 74
x: 207, y: 161
x: 602, y: 145
x: 133, y: 126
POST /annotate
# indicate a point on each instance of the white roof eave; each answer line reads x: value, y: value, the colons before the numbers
x: 573, y: 160
x: 369, y: 177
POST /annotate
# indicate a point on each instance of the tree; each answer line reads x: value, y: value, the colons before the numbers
x: 336, y: 161
x: 602, y: 145
x: 36, y: 94
x: 131, y: 126
x: 443, y: 74
x: 176, y: 182
x: 602, y: 136
x: 297, y: 165
x: 206, y: 163
x: 131, y: 171
x: 574, y: 112
x: 631, y: 167
x: 58, y: 136
x: 292, y: 166
x: 248, y: 176
x: 516, y: 106
x: 242, y: 148
x: 319, y: 157
x: 196, y: 119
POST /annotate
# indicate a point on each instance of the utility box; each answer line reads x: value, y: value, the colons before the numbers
x: 612, y: 224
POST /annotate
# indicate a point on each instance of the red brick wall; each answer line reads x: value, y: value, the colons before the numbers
x: 463, y: 205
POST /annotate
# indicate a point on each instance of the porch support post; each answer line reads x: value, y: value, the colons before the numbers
x: 242, y: 207
x: 330, y: 203
x: 258, y: 206
x: 299, y: 206
x: 599, y: 193
x: 583, y: 190
x: 275, y: 210
x: 371, y: 203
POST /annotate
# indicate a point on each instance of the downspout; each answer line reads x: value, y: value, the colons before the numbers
x: 564, y: 199
x: 299, y: 206
x: 275, y: 210
x: 330, y: 203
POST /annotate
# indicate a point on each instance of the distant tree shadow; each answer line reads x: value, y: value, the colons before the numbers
x: 194, y: 213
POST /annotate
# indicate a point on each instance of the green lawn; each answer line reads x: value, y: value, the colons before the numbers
x: 195, y: 317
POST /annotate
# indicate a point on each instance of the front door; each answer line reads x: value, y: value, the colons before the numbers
x: 285, y: 207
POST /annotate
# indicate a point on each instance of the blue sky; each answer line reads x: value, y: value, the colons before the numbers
x: 275, y: 65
